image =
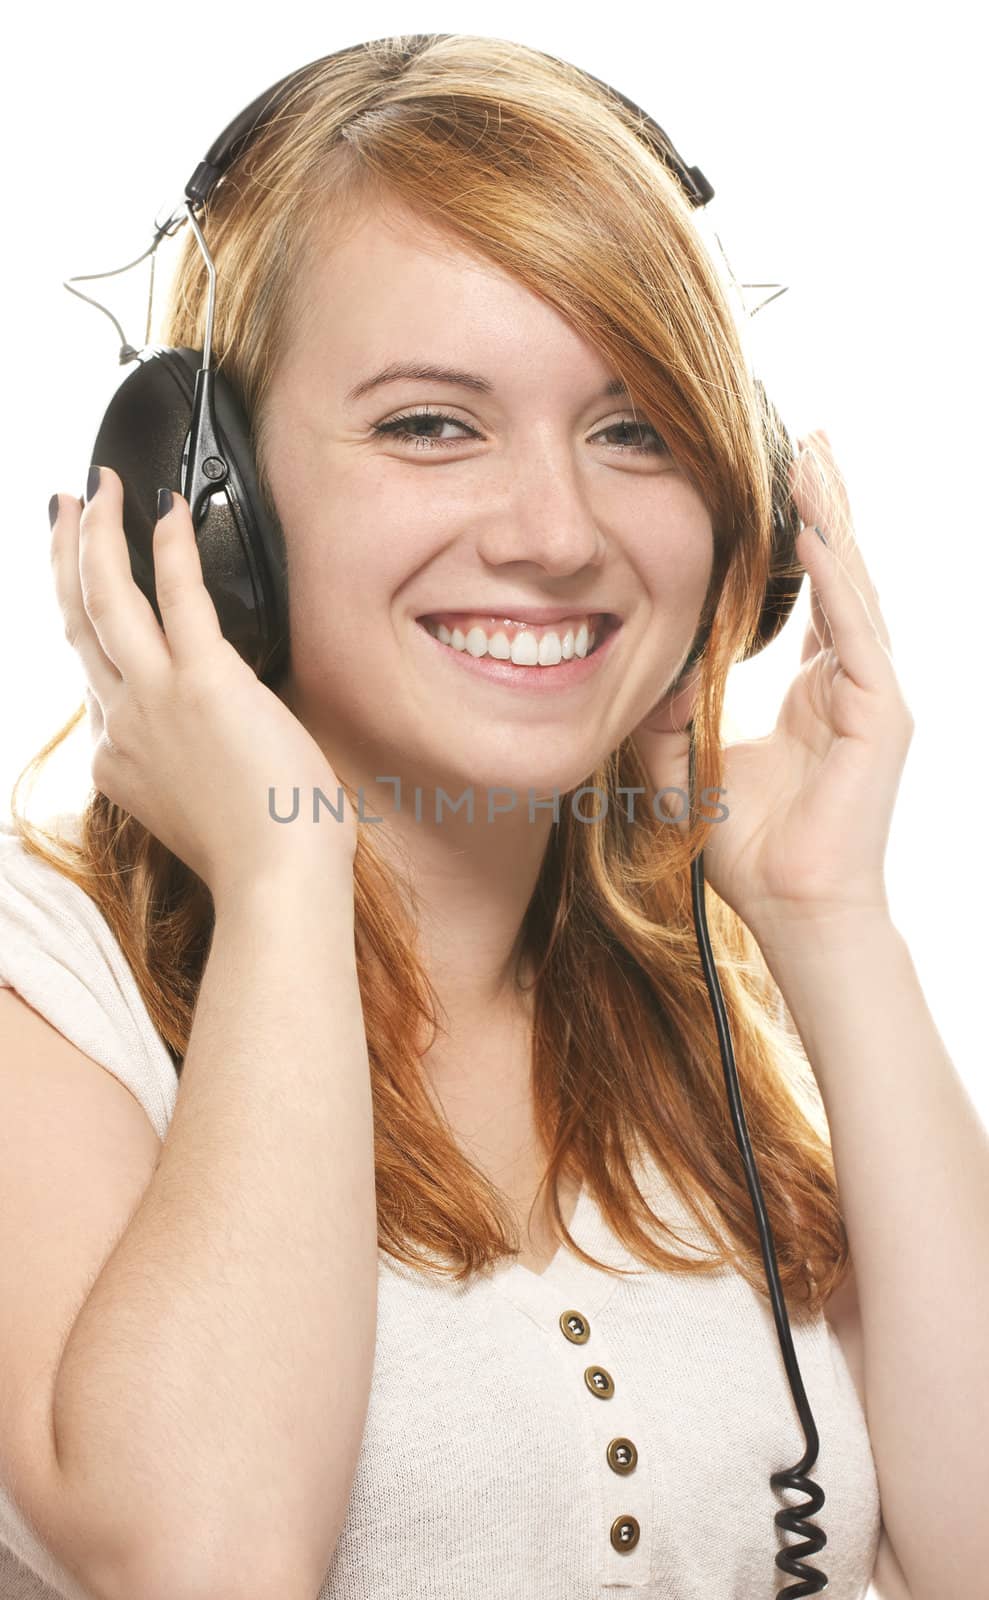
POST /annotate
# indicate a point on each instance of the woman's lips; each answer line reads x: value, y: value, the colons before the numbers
x: 534, y: 679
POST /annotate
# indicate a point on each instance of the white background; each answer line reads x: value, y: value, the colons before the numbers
x: 848, y: 155
x: 848, y: 158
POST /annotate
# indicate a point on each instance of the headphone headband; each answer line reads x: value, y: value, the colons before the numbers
x: 238, y: 133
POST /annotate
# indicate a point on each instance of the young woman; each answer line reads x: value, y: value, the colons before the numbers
x: 372, y: 1218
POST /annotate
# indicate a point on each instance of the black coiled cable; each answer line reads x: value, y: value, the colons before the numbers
x: 793, y: 1518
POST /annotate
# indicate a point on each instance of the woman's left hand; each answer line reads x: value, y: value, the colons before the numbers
x: 810, y: 804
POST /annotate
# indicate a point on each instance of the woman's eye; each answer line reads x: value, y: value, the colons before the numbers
x: 422, y: 428
x: 655, y: 444
x: 407, y: 428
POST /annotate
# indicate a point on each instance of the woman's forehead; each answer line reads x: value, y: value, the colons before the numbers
x: 396, y: 286
x: 383, y: 232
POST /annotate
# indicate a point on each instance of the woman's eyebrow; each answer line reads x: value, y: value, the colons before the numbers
x: 433, y: 374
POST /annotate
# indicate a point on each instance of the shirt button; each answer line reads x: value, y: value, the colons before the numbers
x: 599, y: 1382
x: 624, y: 1533
x: 575, y: 1327
x: 622, y: 1455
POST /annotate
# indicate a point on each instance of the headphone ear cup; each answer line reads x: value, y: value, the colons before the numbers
x: 142, y: 436
x: 786, y: 574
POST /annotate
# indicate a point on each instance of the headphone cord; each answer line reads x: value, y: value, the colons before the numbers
x: 793, y: 1518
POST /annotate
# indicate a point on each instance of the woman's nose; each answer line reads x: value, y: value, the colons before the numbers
x: 543, y: 516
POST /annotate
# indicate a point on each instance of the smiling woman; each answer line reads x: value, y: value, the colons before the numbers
x: 432, y: 1154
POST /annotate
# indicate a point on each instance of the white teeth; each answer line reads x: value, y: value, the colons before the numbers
x: 523, y: 650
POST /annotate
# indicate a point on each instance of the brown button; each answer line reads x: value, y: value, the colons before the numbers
x: 622, y: 1455
x: 599, y: 1382
x: 575, y: 1327
x: 624, y: 1533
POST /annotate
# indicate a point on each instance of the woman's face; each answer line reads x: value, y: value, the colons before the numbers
x: 518, y: 490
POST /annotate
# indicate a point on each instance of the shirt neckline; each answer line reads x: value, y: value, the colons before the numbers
x: 568, y: 1283
x: 577, y: 1221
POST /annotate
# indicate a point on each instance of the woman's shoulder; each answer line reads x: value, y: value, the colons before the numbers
x: 21, y: 871
x: 58, y: 952
x: 40, y: 903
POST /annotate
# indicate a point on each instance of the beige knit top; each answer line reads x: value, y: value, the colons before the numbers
x: 554, y: 1437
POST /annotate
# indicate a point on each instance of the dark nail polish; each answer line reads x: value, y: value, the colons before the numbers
x: 92, y: 483
x: 820, y: 535
x: 164, y: 503
x: 53, y: 511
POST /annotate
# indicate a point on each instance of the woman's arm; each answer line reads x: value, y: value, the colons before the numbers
x: 214, y: 1386
x: 912, y: 1162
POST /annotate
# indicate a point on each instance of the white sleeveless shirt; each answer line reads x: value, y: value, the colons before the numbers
x: 553, y: 1437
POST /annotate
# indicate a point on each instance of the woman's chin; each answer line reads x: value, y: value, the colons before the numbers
x: 499, y: 790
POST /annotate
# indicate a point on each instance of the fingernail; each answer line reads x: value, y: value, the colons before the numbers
x: 53, y: 511
x: 820, y: 535
x: 164, y: 503
x: 92, y: 483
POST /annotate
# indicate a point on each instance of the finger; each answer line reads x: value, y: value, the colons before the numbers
x: 861, y: 651
x: 820, y: 490
x: 822, y: 497
x: 821, y: 624
x: 818, y: 634
x: 95, y: 711
x: 123, y: 618
x: 813, y: 644
x: 187, y: 610
x: 100, y: 672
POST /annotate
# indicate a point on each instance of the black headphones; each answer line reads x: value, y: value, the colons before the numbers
x: 176, y: 422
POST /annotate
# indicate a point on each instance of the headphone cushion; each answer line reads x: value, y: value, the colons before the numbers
x: 241, y: 547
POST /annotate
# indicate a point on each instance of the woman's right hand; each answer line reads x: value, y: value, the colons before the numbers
x: 188, y: 738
